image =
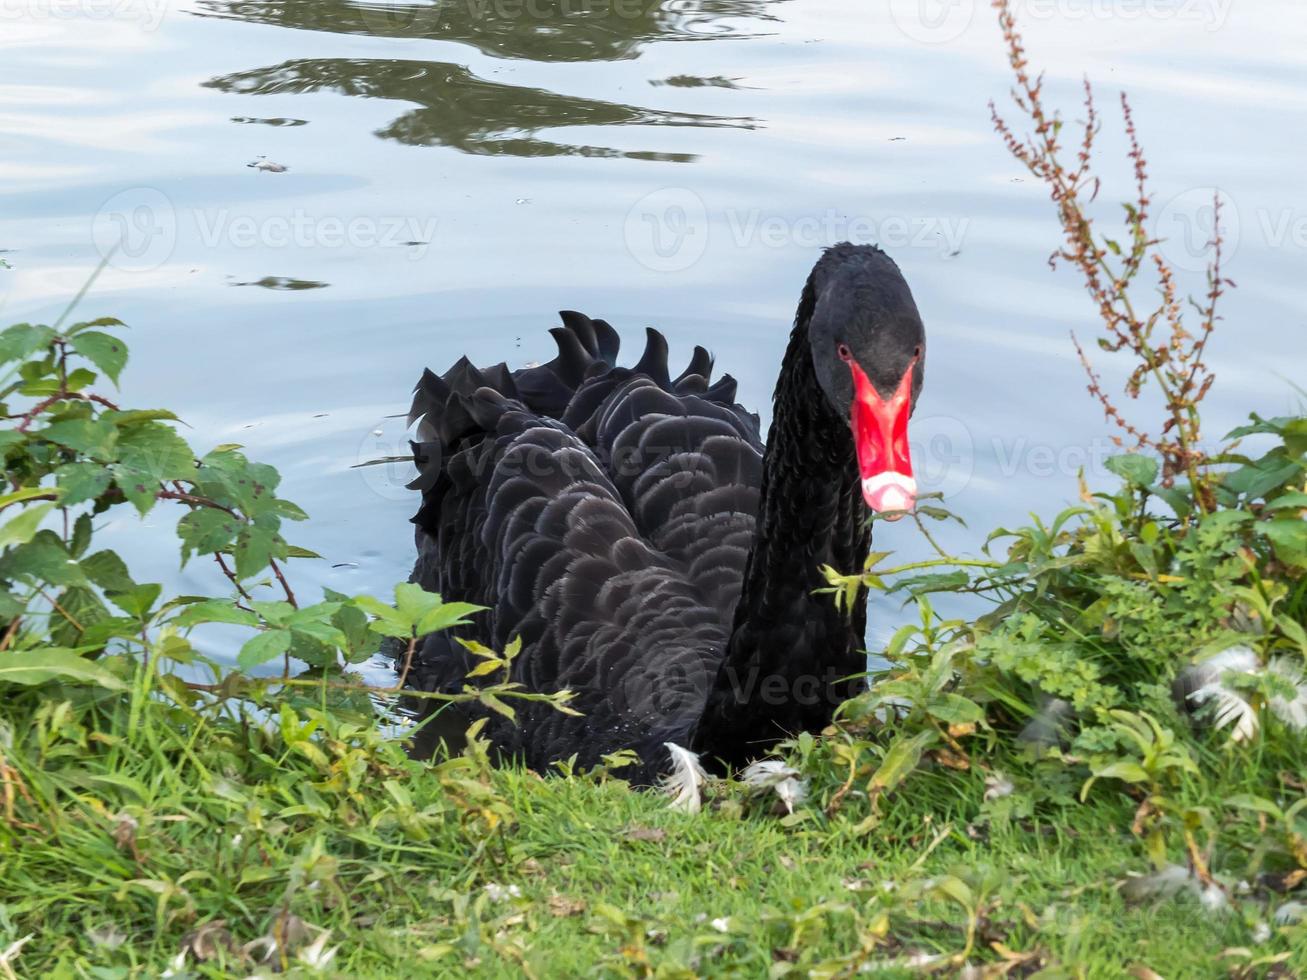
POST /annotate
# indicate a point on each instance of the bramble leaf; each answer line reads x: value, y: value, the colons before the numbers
x: 105, y: 351
x: 265, y: 646
x: 20, y: 341
x: 81, y: 482
x: 1140, y: 471
x: 90, y: 437
x: 22, y: 527
x: 205, y: 530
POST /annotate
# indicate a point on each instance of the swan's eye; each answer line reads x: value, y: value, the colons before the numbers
x: 916, y: 353
x: 844, y: 352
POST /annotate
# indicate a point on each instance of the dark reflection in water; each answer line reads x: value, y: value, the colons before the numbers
x: 283, y: 284
x: 465, y: 112
x: 697, y: 81
x: 534, y: 30
x: 279, y: 122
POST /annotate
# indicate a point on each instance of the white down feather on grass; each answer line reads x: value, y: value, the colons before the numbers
x: 684, y: 784
x: 775, y: 775
x: 1212, y: 682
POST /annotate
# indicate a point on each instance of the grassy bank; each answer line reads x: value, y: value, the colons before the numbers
x: 211, y: 846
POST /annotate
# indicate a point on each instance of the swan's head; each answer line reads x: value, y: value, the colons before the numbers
x: 869, y: 353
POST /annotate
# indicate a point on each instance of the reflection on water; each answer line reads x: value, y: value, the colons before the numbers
x: 278, y: 122
x: 694, y: 81
x: 534, y: 30
x: 284, y: 284
x: 463, y: 111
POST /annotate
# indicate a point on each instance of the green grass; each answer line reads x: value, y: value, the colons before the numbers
x: 125, y: 838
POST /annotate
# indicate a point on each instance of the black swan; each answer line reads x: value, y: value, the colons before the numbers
x: 651, y: 555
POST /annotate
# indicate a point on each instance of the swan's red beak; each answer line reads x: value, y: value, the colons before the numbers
x: 880, y: 436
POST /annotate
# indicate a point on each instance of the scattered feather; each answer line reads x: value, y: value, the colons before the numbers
x: 775, y: 775
x: 686, y: 780
x: 209, y: 940
x: 316, y: 956
x: 792, y: 793
x: 288, y: 932
x: 766, y: 773
x: 1291, y: 711
x: 502, y: 893
x: 1175, y: 880
x: 1166, y: 883
x: 1291, y: 912
x: 1209, y: 683
x: 997, y: 786
x: 124, y: 834
x: 260, y: 950
x: 721, y: 925
x: 176, y: 967
x: 1045, y: 729
x: 109, y: 936
x: 1232, y: 711
x: 1213, y: 898
x: 11, y: 953
x: 264, y: 165
x: 1239, y: 659
x: 1206, y: 682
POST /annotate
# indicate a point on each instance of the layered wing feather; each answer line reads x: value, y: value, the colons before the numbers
x: 604, y: 515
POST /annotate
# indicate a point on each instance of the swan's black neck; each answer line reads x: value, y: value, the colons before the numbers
x: 790, y: 648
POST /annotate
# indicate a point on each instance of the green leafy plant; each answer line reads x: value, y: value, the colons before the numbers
x: 74, y: 612
x: 123, y: 743
x: 1147, y: 645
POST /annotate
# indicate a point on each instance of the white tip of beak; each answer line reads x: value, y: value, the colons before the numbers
x: 890, y: 492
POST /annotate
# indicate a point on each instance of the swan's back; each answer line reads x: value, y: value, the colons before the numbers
x: 604, y: 515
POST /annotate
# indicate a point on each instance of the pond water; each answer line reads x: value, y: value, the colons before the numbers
x: 457, y: 170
